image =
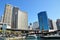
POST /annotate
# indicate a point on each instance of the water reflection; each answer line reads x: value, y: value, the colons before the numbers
x: 50, y: 39
x: 33, y: 39
x: 39, y: 39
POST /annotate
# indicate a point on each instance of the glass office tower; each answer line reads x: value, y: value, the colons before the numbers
x: 43, y: 21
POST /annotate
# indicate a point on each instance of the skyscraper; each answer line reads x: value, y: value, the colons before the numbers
x: 50, y: 24
x: 58, y: 24
x: 43, y: 21
x: 7, y: 18
x: 54, y: 25
x: 22, y: 20
x: 15, y: 18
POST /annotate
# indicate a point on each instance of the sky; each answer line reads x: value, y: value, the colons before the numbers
x: 33, y: 7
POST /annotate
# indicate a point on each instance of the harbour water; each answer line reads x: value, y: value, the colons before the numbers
x: 34, y: 39
x: 39, y: 39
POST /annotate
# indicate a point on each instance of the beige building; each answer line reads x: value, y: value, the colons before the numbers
x: 7, y: 18
x: 15, y: 17
x: 22, y: 20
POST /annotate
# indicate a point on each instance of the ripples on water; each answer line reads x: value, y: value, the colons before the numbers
x: 35, y: 39
x: 49, y: 39
x: 39, y: 39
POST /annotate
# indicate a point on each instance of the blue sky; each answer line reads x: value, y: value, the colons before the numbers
x: 33, y: 7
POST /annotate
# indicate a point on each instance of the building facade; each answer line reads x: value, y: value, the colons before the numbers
x: 15, y: 18
x: 50, y: 24
x: 19, y: 19
x: 54, y: 25
x: 35, y: 25
x: 22, y: 22
x: 58, y: 24
x: 43, y: 21
x: 7, y: 18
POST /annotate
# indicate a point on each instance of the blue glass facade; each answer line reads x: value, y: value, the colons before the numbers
x: 43, y: 21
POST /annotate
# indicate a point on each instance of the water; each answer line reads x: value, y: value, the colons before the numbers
x: 36, y: 39
x: 39, y: 39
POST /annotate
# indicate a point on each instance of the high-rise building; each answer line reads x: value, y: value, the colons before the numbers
x: 22, y: 20
x: 50, y: 24
x: 15, y: 18
x: 35, y: 25
x: 7, y: 18
x: 19, y: 19
x: 43, y: 21
x: 54, y: 25
x: 58, y: 24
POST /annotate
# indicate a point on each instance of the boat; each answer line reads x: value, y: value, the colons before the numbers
x: 51, y: 36
x: 31, y: 36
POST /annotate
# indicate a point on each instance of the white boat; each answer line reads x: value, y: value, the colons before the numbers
x: 32, y: 36
x: 51, y: 36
